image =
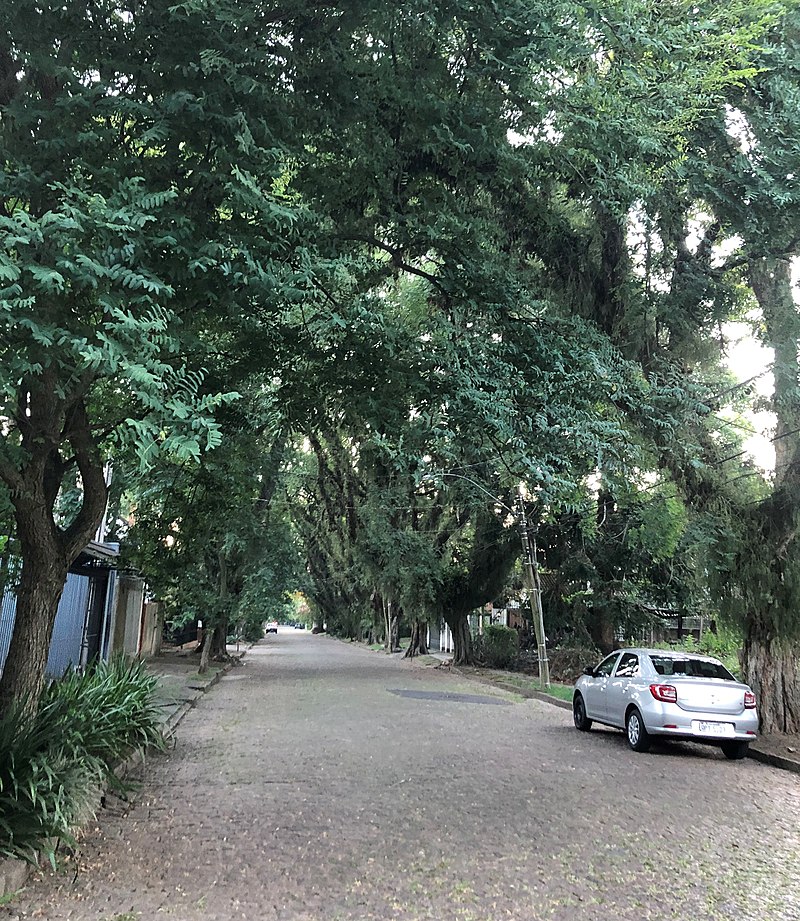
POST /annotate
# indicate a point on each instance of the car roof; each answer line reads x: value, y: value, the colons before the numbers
x: 672, y: 653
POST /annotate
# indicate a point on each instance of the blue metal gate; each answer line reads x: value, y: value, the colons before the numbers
x: 8, y: 612
x: 65, y: 646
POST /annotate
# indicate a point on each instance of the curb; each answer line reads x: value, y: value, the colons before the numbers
x: 174, y: 719
x: 785, y: 764
x: 13, y: 875
x: 527, y: 693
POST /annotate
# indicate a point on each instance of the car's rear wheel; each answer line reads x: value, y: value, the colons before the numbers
x: 582, y: 721
x: 735, y: 750
x: 638, y: 737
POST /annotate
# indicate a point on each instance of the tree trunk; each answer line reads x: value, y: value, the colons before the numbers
x: 47, y: 550
x: 419, y: 640
x: 219, y: 634
x: 394, y: 626
x: 772, y: 669
x: 39, y: 592
x: 601, y: 629
x: 205, y: 653
x: 463, y: 653
x: 768, y: 568
x: 219, y: 648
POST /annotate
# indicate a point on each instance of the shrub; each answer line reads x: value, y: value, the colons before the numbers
x: 567, y: 662
x: 53, y: 764
x: 253, y: 631
x: 500, y: 645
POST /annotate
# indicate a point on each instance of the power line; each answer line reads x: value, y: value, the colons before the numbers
x: 744, y: 383
x: 750, y: 429
x: 785, y: 435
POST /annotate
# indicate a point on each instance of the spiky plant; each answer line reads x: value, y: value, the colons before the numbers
x: 52, y: 766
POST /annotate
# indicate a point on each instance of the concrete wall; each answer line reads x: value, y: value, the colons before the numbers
x: 128, y: 617
x: 152, y: 625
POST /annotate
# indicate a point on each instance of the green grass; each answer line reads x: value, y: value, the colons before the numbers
x: 531, y: 683
x: 561, y: 691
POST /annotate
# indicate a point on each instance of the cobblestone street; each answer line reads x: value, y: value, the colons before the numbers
x: 304, y: 786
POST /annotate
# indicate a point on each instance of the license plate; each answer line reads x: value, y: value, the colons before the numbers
x: 704, y: 728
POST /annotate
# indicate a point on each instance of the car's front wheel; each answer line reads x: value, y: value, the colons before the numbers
x: 582, y: 721
x: 638, y: 737
x: 735, y: 750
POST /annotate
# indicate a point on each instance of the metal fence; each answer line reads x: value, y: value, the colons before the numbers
x: 65, y: 646
x: 8, y: 613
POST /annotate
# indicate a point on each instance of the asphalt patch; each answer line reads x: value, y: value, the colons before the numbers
x: 449, y: 696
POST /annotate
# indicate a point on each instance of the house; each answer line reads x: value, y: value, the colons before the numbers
x: 102, y: 611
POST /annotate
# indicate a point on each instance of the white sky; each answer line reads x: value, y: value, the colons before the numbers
x: 747, y: 358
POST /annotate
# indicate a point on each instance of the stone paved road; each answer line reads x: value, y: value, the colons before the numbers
x: 302, y: 788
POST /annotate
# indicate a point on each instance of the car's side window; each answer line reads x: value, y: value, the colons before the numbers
x: 628, y: 666
x: 605, y: 668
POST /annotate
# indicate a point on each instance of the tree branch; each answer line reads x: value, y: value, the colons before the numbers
x: 95, y: 490
x: 398, y: 261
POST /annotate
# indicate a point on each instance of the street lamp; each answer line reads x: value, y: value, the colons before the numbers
x: 531, y: 570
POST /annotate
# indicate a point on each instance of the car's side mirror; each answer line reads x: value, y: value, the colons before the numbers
x: 589, y: 670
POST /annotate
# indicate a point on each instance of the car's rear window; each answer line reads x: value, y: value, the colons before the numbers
x: 686, y: 665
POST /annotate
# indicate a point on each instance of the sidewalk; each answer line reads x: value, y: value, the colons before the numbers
x: 781, y: 751
x: 179, y: 688
x: 180, y: 685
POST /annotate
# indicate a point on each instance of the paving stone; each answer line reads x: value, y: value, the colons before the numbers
x: 300, y: 788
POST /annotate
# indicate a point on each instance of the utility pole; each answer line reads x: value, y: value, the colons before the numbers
x: 535, y: 589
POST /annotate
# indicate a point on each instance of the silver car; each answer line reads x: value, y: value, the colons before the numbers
x: 658, y: 692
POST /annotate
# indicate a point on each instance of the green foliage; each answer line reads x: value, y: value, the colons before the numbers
x: 214, y: 545
x: 53, y: 765
x: 493, y: 322
x: 436, y: 251
x: 145, y: 227
x: 725, y: 645
x: 568, y: 662
x: 500, y: 645
x: 661, y: 525
x: 109, y: 710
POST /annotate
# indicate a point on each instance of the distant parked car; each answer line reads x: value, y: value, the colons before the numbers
x: 660, y: 693
x: 299, y: 626
x: 272, y: 627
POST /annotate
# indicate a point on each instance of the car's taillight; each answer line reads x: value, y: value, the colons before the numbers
x: 749, y: 700
x: 665, y: 692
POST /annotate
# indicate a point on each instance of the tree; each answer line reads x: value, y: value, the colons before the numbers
x: 208, y: 536
x: 750, y: 185
x: 531, y: 392
x: 737, y: 187
x: 130, y: 140
x: 635, y: 184
x: 449, y: 240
